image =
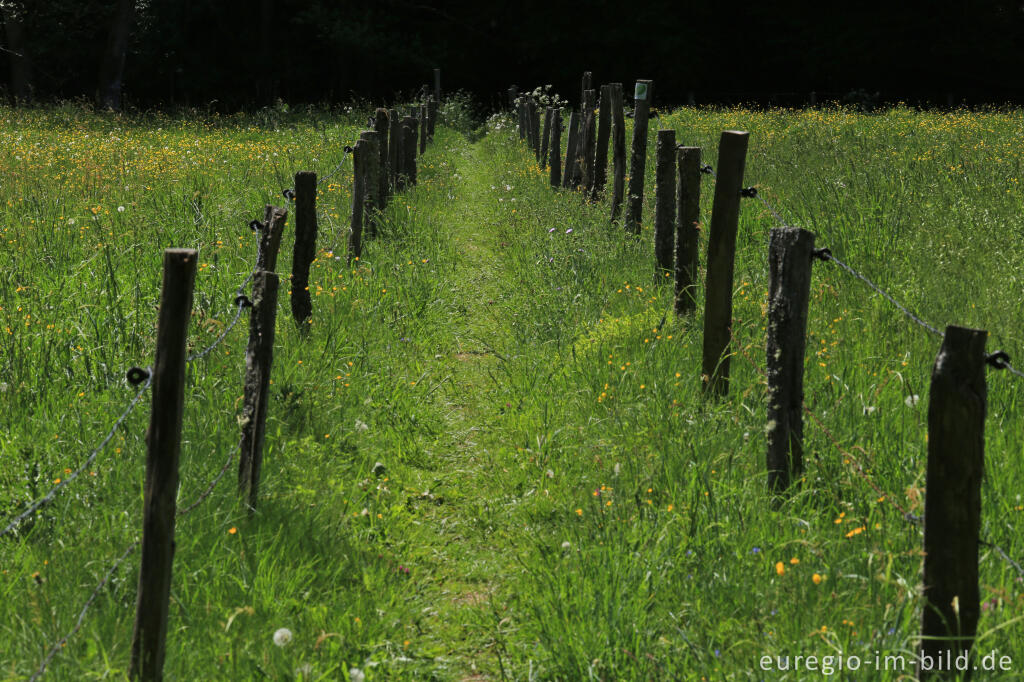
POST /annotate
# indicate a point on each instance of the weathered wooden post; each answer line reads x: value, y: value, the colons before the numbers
x: 355, y: 235
x: 382, y: 126
x: 571, y: 159
x: 396, y: 152
x: 163, y: 446
x: 545, y: 141
x: 638, y: 160
x: 555, y: 158
x: 725, y: 216
x: 432, y: 113
x: 271, y: 230
x: 585, y: 84
x: 790, y: 250
x: 664, y: 205
x: 535, y: 128
x: 687, y: 227
x: 410, y: 130
x: 587, y: 142
x: 259, y: 355
x: 601, y: 152
x: 524, y: 121
x: 305, y: 246
x: 372, y: 182
x: 618, y: 149
x: 952, y: 513
x: 423, y: 128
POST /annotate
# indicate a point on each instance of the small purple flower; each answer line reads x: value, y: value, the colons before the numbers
x: 755, y: 550
x: 569, y: 231
x: 551, y: 230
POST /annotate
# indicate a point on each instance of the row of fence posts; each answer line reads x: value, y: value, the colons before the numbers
x: 957, y: 403
x: 379, y: 170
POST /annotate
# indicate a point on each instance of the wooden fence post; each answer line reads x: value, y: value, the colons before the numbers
x: 259, y: 355
x: 790, y: 250
x: 601, y: 152
x: 952, y: 512
x: 664, y: 204
x: 270, y: 237
x: 555, y: 151
x: 163, y: 446
x: 524, y: 125
x: 381, y: 125
x: 396, y: 152
x: 372, y: 182
x: 535, y: 128
x: 725, y: 216
x: 355, y: 235
x: 687, y: 227
x: 585, y: 84
x: 423, y: 128
x: 305, y: 246
x: 411, y: 130
x: 638, y: 159
x: 432, y: 117
x: 571, y: 160
x: 545, y: 141
x: 587, y: 141
x: 618, y: 149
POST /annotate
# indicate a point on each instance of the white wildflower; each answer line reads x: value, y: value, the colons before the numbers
x: 282, y: 636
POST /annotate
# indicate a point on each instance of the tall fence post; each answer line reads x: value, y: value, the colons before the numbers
x: 571, y: 159
x: 952, y: 512
x: 410, y: 130
x: 163, y: 446
x: 524, y: 125
x: 555, y: 152
x: 271, y: 230
x: 371, y: 184
x: 587, y: 142
x: 687, y: 227
x: 585, y: 84
x: 431, y: 117
x: 638, y: 159
x: 396, y: 152
x: 601, y: 152
x: 664, y: 204
x: 545, y: 141
x: 790, y: 250
x: 355, y: 235
x: 618, y: 149
x: 423, y: 129
x: 259, y: 356
x: 305, y: 246
x: 725, y: 216
x: 533, y: 121
x: 381, y: 125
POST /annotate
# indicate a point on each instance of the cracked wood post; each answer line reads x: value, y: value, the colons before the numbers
x: 410, y: 128
x: 381, y: 125
x: 304, y: 251
x: 355, y: 235
x: 638, y: 158
x: 687, y: 227
x: 545, y: 142
x: 271, y: 230
x: 618, y: 149
x: 725, y: 216
x: 371, y: 184
x: 396, y: 152
x: 664, y: 204
x: 952, y: 512
x: 259, y: 356
x: 588, y: 132
x: 163, y: 446
x: 555, y: 158
x: 570, y: 151
x: 601, y: 152
x: 790, y: 250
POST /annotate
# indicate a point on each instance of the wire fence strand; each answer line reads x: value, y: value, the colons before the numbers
x: 49, y: 497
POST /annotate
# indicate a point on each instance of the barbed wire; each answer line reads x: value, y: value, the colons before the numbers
x: 213, y: 484
x: 59, y: 644
x: 46, y: 499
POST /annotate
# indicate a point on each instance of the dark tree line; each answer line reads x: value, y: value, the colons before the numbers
x: 231, y: 54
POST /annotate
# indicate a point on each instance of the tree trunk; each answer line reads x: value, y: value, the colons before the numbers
x: 112, y: 65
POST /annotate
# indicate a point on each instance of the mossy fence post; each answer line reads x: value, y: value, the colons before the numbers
x: 618, y: 149
x: 790, y: 251
x: 952, y: 511
x: 642, y: 95
x: 664, y: 204
x: 601, y: 151
x: 163, y: 446
x: 555, y: 152
x: 725, y: 215
x: 304, y: 250
x: 687, y: 227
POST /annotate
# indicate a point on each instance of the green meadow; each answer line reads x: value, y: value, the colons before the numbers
x: 490, y: 458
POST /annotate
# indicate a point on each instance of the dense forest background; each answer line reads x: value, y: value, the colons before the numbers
x: 231, y: 54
